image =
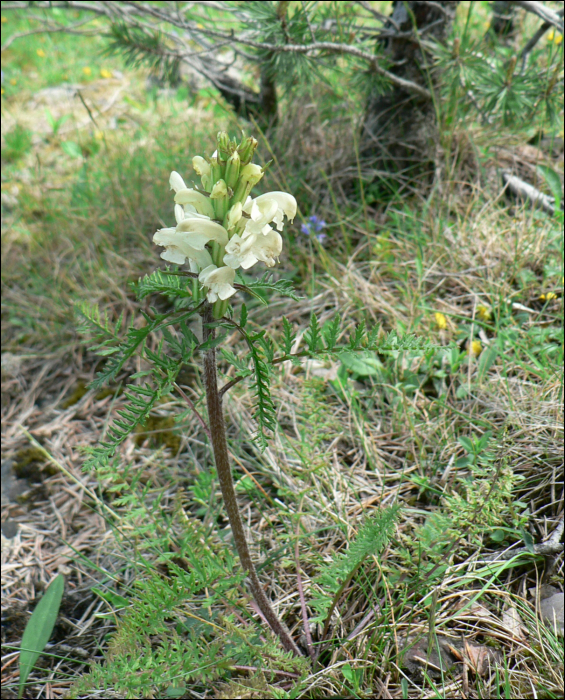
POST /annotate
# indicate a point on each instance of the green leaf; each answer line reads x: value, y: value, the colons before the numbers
x: 357, y: 336
x: 312, y: 335
x: 364, y: 364
x: 284, y: 288
x: 243, y: 316
x: 39, y: 628
x: 289, y: 336
x: 72, y: 149
x: 528, y: 540
x: 466, y: 444
x: 554, y: 183
x: 498, y: 535
x: 114, y: 600
x: 330, y: 332
x: 486, y: 361
x: 212, y: 342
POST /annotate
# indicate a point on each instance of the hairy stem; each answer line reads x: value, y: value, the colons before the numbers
x: 220, y: 447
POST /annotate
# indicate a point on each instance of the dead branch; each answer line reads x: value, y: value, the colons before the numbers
x: 524, y: 190
x: 543, y: 12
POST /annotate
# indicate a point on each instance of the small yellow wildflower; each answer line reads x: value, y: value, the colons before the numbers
x: 87, y: 70
x: 486, y: 26
x: 99, y: 135
x: 475, y: 348
x: 548, y: 297
x: 484, y: 313
x: 105, y: 73
x: 40, y: 53
x: 558, y: 39
x: 4, y: 19
x: 13, y: 81
x: 551, y: 35
x: 441, y: 321
x: 2, y: 91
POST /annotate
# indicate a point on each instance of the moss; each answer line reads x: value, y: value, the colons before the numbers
x: 81, y: 389
x: 78, y: 392
x: 112, y: 390
x: 160, y: 430
x: 30, y: 463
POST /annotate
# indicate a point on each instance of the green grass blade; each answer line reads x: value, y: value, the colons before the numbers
x: 554, y: 183
x: 39, y: 628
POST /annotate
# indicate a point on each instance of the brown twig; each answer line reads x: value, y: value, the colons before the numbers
x: 552, y: 545
x: 194, y: 410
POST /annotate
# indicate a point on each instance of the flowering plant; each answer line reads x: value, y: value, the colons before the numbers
x: 315, y: 226
x: 219, y: 229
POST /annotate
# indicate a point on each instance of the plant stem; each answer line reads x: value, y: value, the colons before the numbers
x: 220, y: 447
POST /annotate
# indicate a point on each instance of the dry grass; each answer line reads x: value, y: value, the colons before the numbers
x: 342, y: 454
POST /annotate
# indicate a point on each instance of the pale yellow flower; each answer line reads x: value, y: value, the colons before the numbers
x: 441, y: 320
x: 219, y: 281
x: 484, y: 313
x: 178, y: 248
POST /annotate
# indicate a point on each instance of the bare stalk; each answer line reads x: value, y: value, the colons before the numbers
x: 220, y: 447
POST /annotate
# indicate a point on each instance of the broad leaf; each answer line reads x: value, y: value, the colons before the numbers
x: 39, y: 628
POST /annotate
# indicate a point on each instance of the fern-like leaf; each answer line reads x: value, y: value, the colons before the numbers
x: 284, y: 288
x: 160, y: 282
x: 141, y: 400
x: 264, y: 409
x: 331, y: 332
x: 312, y: 335
x: 333, y: 577
x: 289, y: 336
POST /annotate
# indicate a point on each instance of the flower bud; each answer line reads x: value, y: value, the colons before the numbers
x: 232, y: 170
x: 251, y: 173
x: 224, y: 146
x: 219, y: 190
x: 201, y: 166
x: 217, y: 170
x: 248, y: 178
x: 220, y: 198
x: 247, y: 149
x: 234, y: 215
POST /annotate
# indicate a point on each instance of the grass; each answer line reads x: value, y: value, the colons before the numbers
x: 466, y: 439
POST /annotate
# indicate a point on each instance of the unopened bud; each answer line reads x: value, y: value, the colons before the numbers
x: 251, y: 173
x: 234, y: 215
x: 216, y: 170
x: 247, y: 149
x: 224, y: 146
x: 219, y: 190
x: 232, y: 170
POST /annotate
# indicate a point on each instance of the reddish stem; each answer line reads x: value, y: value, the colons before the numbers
x: 220, y: 447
